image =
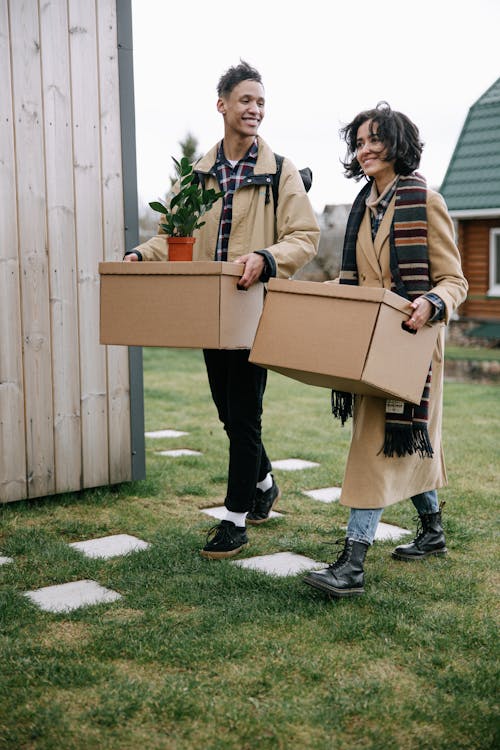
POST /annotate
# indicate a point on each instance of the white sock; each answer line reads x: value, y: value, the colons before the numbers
x: 239, y: 519
x: 266, y: 483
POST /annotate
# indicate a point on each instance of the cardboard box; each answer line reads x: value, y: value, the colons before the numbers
x: 178, y: 304
x: 344, y: 337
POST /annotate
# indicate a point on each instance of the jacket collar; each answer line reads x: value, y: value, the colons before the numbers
x: 372, y: 249
x: 266, y: 163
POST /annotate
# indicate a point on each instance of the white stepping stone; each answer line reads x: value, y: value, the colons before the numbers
x: 220, y: 512
x: 110, y: 546
x: 325, y: 495
x: 179, y: 452
x: 293, y: 464
x: 165, y: 434
x: 386, y: 531
x: 280, y: 563
x: 5, y: 560
x: 68, y: 596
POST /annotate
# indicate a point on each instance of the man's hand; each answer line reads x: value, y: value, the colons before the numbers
x: 254, y: 265
x: 422, y: 311
x: 131, y: 258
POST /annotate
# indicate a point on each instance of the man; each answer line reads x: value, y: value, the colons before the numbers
x: 245, y: 227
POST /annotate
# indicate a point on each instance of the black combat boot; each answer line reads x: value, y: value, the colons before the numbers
x: 345, y: 576
x: 429, y: 539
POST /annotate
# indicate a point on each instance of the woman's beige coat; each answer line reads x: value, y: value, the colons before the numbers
x: 292, y: 245
x: 371, y: 479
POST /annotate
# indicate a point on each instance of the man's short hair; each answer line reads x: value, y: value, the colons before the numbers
x: 235, y: 75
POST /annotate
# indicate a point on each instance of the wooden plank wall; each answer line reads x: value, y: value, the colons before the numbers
x: 64, y: 398
x: 474, y: 244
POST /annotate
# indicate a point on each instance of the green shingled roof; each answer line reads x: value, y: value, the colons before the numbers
x: 472, y: 181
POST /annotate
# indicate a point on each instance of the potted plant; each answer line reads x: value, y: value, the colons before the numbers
x: 184, y: 211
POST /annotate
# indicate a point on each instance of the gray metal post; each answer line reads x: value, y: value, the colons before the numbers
x: 129, y: 171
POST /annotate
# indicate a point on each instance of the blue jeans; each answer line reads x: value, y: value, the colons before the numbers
x: 363, y: 522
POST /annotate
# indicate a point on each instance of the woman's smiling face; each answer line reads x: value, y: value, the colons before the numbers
x: 371, y: 153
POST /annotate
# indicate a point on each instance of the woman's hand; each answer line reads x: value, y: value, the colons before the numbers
x: 422, y: 311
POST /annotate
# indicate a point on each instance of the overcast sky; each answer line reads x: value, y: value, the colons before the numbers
x: 322, y: 61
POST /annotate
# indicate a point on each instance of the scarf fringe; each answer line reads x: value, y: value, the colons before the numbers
x: 342, y: 405
x: 404, y: 442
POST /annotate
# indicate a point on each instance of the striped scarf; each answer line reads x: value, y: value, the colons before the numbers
x: 405, y: 424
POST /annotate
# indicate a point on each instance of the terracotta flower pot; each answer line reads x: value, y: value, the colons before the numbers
x: 180, y: 248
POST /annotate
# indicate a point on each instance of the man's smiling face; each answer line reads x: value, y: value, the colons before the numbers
x: 243, y: 109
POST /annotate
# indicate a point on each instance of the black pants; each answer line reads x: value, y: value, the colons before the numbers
x: 237, y: 388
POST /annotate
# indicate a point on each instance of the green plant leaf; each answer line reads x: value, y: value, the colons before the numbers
x: 175, y: 200
x: 190, y: 202
x: 157, y: 206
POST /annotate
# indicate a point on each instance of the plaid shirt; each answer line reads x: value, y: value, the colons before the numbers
x: 379, y: 207
x: 230, y: 179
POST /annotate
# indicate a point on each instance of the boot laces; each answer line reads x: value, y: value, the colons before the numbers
x: 421, y: 527
x: 343, y: 555
x: 420, y: 530
x: 220, y: 533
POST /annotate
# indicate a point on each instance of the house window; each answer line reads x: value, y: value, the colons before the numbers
x: 494, y: 289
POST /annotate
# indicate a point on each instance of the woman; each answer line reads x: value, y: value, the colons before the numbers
x: 399, y: 236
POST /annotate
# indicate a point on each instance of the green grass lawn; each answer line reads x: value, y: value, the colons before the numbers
x: 481, y: 354
x: 204, y: 654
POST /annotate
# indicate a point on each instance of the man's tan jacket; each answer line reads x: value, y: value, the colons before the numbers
x: 291, y: 238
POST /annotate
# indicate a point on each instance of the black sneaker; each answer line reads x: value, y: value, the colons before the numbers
x: 263, y: 505
x: 225, y: 540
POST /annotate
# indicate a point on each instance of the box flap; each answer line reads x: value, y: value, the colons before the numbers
x: 172, y: 268
x: 340, y: 291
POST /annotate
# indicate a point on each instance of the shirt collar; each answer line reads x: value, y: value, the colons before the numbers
x: 374, y: 199
x: 251, y: 154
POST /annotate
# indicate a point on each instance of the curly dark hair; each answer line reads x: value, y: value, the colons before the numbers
x: 397, y: 132
x: 235, y: 75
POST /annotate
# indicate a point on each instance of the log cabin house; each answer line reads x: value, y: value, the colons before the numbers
x: 471, y: 188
